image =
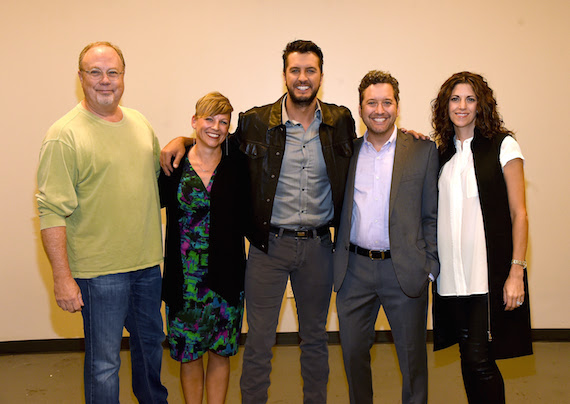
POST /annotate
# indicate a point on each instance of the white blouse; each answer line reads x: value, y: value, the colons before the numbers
x: 460, y: 232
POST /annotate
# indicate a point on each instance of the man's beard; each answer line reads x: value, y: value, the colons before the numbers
x: 301, y: 101
x: 105, y: 99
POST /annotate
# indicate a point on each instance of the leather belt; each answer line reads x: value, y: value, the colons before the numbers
x: 301, y: 234
x: 372, y: 254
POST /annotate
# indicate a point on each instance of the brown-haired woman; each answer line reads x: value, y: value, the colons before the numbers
x: 481, y: 295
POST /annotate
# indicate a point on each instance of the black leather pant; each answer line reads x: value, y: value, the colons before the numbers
x: 481, y: 376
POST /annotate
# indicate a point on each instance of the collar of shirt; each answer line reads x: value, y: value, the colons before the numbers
x: 460, y: 147
x: 390, y: 143
x: 285, y: 116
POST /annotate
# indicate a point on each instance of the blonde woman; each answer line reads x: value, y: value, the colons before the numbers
x: 205, y: 258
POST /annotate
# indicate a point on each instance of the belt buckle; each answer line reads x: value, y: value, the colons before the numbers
x: 302, y: 234
x: 373, y: 257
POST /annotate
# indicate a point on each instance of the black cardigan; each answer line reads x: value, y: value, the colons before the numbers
x: 229, y: 216
x: 510, y: 330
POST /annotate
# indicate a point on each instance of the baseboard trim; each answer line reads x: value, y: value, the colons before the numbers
x: 283, y: 338
x: 382, y: 337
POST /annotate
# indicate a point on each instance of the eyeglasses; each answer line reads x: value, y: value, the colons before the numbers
x: 97, y: 74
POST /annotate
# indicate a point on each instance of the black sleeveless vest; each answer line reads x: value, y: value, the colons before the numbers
x: 509, y: 330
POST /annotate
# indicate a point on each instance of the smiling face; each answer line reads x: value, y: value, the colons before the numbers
x: 211, y: 131
x: 102, y: 95
x: 463, y: 108
x: 379, y: 110
x: 302, y: 77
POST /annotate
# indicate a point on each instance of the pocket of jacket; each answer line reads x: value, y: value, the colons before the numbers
x: 254, y: 150
x: 343, y: 149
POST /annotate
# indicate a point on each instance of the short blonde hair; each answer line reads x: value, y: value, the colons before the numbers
x: 213, y: 104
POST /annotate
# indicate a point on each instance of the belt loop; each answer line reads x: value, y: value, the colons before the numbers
x: 315, y: 233
x: 280, y: 234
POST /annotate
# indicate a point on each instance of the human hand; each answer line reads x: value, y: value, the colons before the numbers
x: 68, y: 295
x: 174, y: 149
x: 415, y: 134
x: 513, y: 290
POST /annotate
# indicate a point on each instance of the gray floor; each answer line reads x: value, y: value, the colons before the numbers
x: 57, y: 378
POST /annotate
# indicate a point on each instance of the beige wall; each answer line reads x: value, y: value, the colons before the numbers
x: 178, y: 50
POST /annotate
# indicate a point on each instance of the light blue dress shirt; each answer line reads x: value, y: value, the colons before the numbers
x: 370, y: 211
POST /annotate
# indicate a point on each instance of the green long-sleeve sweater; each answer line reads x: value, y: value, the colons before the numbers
x: 99, y: 179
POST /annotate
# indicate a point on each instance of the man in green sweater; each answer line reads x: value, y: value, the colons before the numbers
x: 101, y: 227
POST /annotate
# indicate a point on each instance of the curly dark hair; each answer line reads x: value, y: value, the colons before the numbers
x: 302, y: 46
x: 488, y: 121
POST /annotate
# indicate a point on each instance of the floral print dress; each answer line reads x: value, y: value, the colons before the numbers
x: 207, y: 322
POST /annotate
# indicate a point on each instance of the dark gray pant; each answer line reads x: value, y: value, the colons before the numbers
x: 367, y: 286
x: 308, y: 262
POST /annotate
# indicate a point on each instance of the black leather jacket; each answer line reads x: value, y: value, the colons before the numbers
x: 262, y: 135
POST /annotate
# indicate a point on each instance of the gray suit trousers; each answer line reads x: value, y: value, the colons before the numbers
x: 367, y: 286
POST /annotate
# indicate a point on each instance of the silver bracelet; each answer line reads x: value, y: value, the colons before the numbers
x: 519, y: 262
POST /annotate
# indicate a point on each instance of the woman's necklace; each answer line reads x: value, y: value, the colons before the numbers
x: 198, y: 164
x: 200, y: 167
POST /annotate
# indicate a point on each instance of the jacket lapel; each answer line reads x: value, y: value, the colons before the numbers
x: 349, y: 196
x: 400, y: 161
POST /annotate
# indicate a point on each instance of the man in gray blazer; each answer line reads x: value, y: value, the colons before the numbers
x: 386, y: 247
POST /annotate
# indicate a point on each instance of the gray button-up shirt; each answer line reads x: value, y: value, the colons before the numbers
x: 303, y: 199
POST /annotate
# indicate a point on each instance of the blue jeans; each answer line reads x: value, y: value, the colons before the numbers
x: 132, y: 300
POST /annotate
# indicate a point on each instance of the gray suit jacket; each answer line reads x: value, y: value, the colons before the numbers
x: 413, y: 215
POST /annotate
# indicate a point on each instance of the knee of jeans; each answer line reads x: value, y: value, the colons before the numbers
x: 105, y: 368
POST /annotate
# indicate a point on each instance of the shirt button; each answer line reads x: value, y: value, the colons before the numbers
x: 267, y: 200
x: 277, y: 154
x: 272, y: 175
x: 264, y: 223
